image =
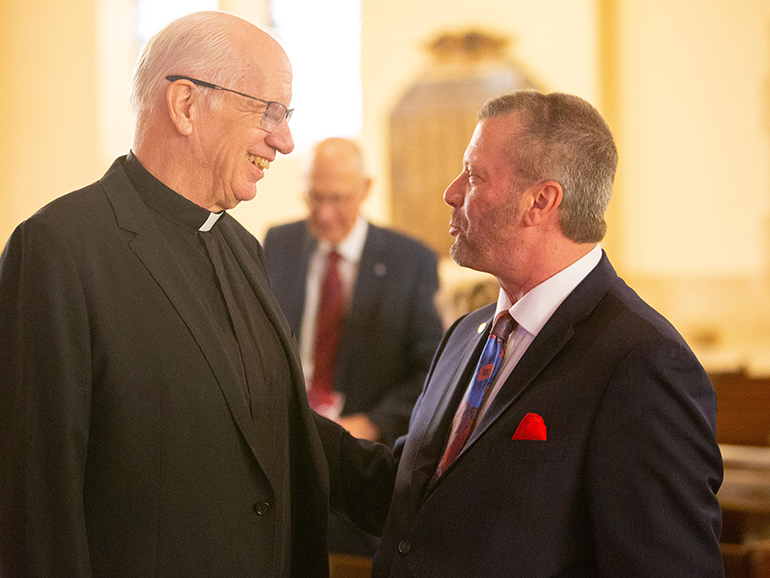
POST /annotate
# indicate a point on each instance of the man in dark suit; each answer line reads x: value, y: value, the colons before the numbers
x: 390, y: 328
x: 578, y: 438
x: 153, y: 417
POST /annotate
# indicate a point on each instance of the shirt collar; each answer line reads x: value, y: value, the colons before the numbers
x: 534, y: 310
x: 166, y: 201
x: 211, y: 221
x: 351, y: 247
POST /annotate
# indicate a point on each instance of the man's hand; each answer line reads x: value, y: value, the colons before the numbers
x: 360, y: 426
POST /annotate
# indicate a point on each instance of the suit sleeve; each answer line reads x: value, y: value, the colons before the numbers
x: 362, y: 475
x: 425, y: 328
x: 45, y: 396
x: 654, y: 468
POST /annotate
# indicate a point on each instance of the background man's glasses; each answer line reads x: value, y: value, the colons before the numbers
x: 274, y: 113
x: 333, y: 200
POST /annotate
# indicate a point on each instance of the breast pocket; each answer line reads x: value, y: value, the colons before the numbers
x: 537, y: 451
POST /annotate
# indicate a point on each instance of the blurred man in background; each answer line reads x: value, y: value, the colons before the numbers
x: 387, y: 327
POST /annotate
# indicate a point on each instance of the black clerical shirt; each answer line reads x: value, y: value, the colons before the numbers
x: 212, y: 270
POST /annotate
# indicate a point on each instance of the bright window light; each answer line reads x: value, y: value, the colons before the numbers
x: 323, y: 41
x: 152, y: 15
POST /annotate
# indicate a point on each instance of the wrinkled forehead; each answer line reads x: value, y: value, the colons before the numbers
x: 265, y: 67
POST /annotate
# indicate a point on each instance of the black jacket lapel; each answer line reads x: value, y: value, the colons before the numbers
x: 151, y: 248
x: 293, y: 290
x: 438, y: 405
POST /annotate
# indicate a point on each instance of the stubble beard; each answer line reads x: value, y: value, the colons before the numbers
x: 477, y: 251
x: 464, y: 251
x: 458, y: 252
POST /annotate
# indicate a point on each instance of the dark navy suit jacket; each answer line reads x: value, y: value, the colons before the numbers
x: 392, y: 327
x: 625, y: 484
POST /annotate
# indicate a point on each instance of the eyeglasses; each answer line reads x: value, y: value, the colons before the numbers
x: 271, y: 118
x: 332, y: 200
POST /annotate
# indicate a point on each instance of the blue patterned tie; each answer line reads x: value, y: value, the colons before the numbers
x: 483, y: 378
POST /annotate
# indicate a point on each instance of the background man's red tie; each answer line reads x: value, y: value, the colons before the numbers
x: 329, y: 320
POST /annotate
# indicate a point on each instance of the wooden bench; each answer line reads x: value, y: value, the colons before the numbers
x: 345, y: 566
x: 743, y: 409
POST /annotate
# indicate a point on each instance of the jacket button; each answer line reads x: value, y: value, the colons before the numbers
x: 261, y: 508
x: 404, y: 546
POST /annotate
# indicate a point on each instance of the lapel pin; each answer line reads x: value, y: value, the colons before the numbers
x: 482, y: 327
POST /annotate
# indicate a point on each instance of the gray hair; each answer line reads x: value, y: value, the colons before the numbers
x: 565, y: 139
x: 199, y: 45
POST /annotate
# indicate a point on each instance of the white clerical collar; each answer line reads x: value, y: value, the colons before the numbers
x: 211, y: 221
x: 351, y: 247
x: 534, y: 310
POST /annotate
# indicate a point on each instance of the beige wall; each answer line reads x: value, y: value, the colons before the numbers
x: 694, y: 136
x: 683, y: 84
x: 694, y: 181
x: 48, y: 128
x: 396, y: 33
x: 394, y: 36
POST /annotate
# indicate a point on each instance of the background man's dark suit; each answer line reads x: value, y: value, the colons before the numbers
x: 148, y: 462
x: 392, y: 327
x: 630, y: 418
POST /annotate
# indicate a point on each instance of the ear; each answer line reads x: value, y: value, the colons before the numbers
x: 363, y: 192
x: 542, y: 202
x: 367, y: 186
x: 180, y: 98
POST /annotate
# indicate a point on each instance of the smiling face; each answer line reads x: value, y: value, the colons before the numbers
x: 485, y: 200
x: 234, y: 151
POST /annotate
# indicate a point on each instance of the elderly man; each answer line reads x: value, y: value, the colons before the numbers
x: 153, y: 418
x: 387, y: 325
x: 567, y: 430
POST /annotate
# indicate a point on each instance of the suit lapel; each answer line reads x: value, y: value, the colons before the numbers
x: 548, y: 343
x: 556, y: 333
x: 258, y: 281
x: 150, y: 247
x: 457, y: 362
x: 293, y: 292
x: 372, y: 271
x: 439, y: 404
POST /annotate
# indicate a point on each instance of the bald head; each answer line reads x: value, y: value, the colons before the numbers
x: 338, y: 155
x: 215, y: 46
x: 337, y: 184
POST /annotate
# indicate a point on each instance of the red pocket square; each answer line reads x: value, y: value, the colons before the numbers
x: 532, y: 427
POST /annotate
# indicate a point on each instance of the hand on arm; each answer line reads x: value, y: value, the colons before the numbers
x: 360, y: 426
